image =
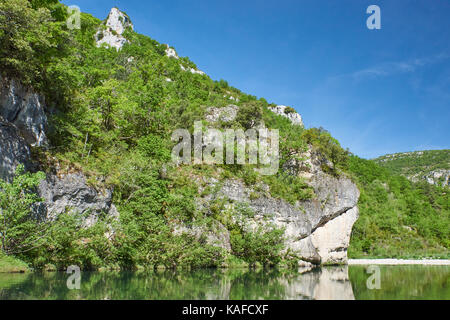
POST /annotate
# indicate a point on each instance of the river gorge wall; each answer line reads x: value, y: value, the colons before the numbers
x: 316, y: 230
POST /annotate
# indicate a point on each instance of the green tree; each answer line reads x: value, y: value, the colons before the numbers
x: 20, y: 231
x: 25, y: 37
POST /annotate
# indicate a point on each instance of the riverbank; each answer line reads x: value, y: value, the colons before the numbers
x: 12, y: 265
x: 397, y: 262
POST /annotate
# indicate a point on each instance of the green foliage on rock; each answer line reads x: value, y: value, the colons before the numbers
x: 328, y: 146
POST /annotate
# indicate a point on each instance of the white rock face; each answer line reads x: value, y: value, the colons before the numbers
x: 191, y: 70
x: 171, y: 53
x: 436, y: 177
x: 332, y: 239
x: 295, y: 118
x: 231, y: 98
x: 116, y: 23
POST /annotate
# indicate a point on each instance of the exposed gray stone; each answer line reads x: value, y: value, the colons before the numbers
x: 71, y: 193
x: 436, y: 177
x: 13, y: 150
x: 25, y: 109
x: 225, y: 114
x: 310, y: 226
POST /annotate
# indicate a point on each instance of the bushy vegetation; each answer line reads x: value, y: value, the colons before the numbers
x: 416, y: 163
x: 9, y: 264
x: 398, y: 218
x: 19, y: 231
x: 329, y: 147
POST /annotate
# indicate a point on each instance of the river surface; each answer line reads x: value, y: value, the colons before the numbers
x: 342, y: 283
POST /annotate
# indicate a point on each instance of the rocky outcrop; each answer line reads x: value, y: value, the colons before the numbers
x: 171, y: 53
x: 25, y: 109
x: 317, y: 230
x: 225, y: 114
x: 438, y: 177
x: 71, y: 193
x: 111, y: 33
x: 192, y: 70
x: 287, y: 112
x: 13, y: 150
x: 22, y: 126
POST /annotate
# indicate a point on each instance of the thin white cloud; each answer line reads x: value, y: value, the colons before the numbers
x: 386, y: 69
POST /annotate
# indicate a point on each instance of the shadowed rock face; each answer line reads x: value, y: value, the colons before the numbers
x: 22, y: 125
x: 13, y: 150
x: 24, y: 109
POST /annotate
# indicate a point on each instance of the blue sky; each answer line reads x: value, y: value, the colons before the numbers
x: 377, y: 91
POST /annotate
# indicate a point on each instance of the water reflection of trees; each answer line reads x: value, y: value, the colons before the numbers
x: 234, y: 284
x: 403, y: 282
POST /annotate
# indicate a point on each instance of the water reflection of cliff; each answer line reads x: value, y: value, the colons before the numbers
x: 319, y: 283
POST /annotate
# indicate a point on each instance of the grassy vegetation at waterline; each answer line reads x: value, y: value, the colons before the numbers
x: 9, y: 264
x: 113, y: 121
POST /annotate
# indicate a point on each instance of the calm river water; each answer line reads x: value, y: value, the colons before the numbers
x: 396, y: 282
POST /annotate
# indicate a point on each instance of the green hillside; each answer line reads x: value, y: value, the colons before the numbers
x: 112, y: 114
x: 418, y: 165
x: 115, y: 113
x: 399, y: 218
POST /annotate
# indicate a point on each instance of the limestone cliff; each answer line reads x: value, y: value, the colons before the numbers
x: 316, y: 230
x: 23, y: 122
x: 111, y: 32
